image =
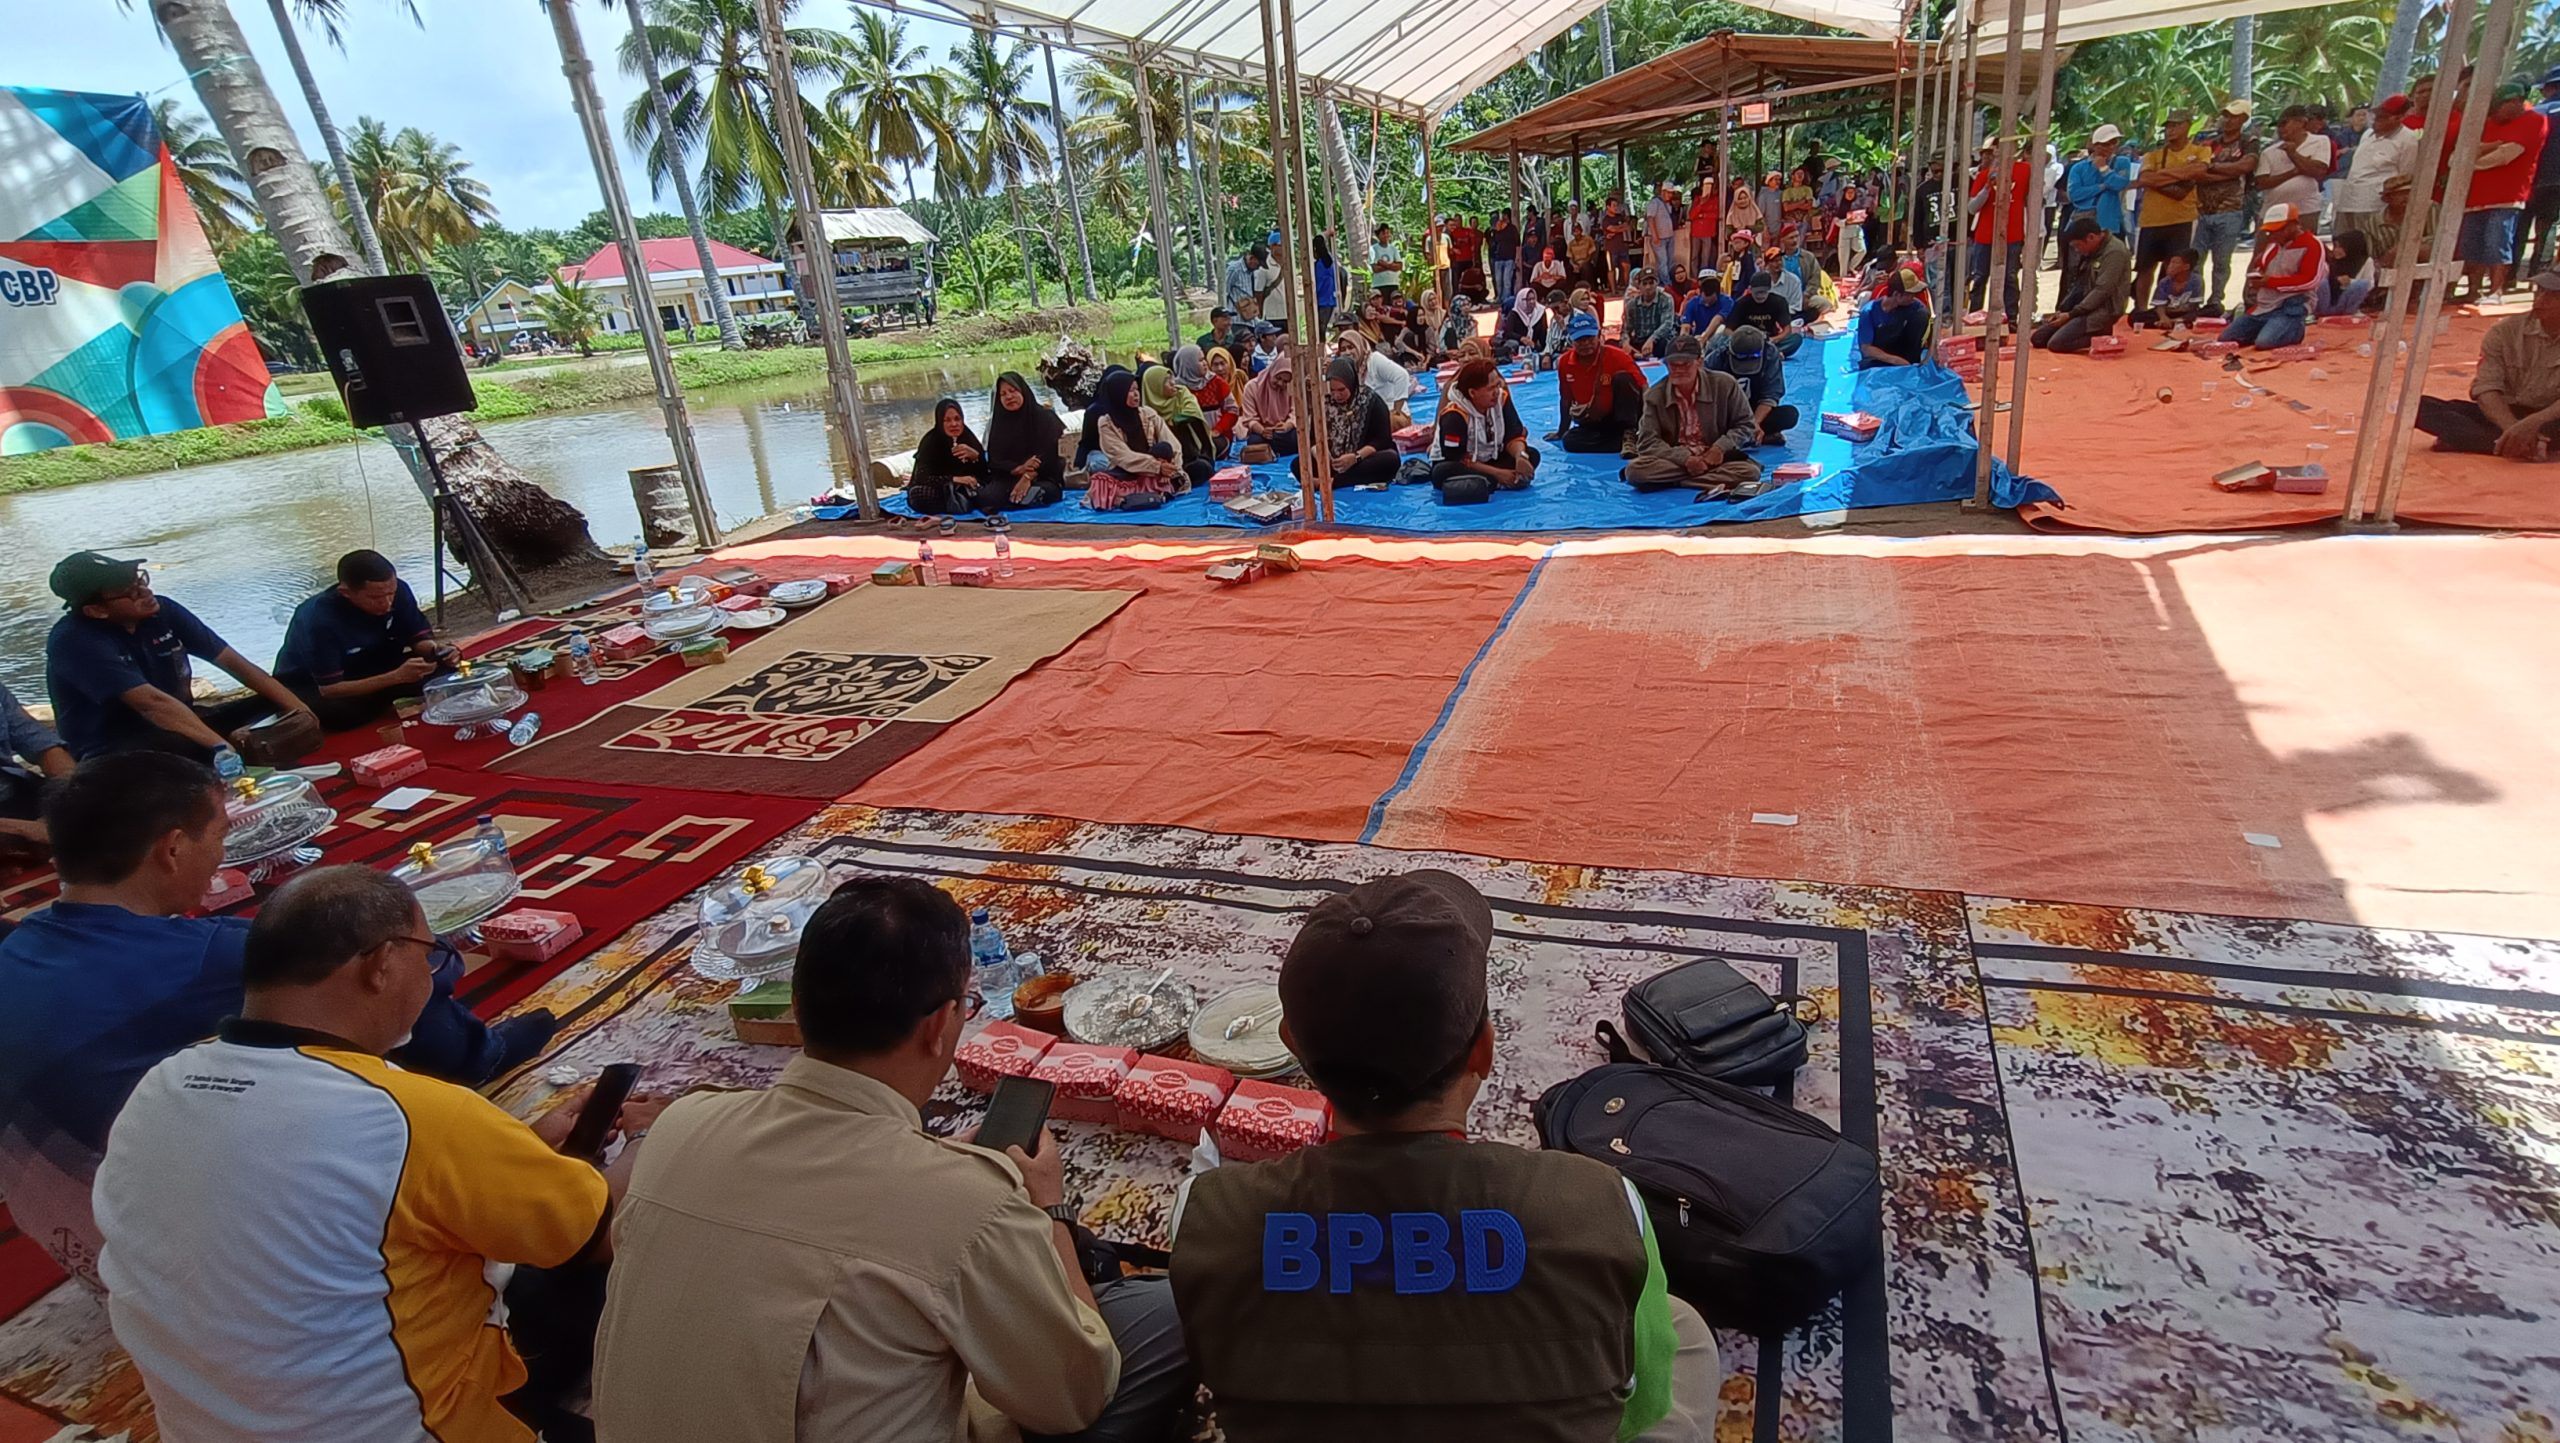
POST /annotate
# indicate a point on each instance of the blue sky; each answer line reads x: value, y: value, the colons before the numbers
x: 484, y: 74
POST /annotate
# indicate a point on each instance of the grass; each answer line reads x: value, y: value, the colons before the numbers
x: 316, y: 418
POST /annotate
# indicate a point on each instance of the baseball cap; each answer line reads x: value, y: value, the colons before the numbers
x: 1759, y: 283
x: 1907, y: 281
x: 79, y: 577
x: 1581, y: 327
x: 2181, y: 116
x: 1684, y: 348
x: 2548, y: 280
x: 2505, y: 93
x: 2402, y: 105
x: 2105, y: 133
x: 2551, y: 76
x: 2239, y: 107
x: 1217, y: 311
x: 1384, y: 986
x: 1747, y: 352
x: 2278, y: 217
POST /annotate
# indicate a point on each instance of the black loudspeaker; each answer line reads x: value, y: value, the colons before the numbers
x: 390, y: 347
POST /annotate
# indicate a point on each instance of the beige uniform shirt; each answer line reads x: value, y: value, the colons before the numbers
x: 806, y: 1263
x: 2520, y: 361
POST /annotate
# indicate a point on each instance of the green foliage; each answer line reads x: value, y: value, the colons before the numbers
x: 262, y: 281
x: 570, y: 313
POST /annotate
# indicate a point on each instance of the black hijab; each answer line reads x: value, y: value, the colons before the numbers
x: 933, y: 453
x: 1088, y: 443
x: 1014, y: 437
x: 1118, y: 399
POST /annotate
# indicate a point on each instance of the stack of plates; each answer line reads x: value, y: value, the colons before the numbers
x: 793, y: 595
x: 1240, y: 1031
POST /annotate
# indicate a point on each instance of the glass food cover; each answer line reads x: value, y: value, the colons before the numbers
x: 271, y: 816
x: 470, y: 694
x: 682, y: 596
x: 460, y: 883
x: 751, y: 928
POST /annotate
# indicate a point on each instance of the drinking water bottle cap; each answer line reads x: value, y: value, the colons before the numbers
x: 979, y: 915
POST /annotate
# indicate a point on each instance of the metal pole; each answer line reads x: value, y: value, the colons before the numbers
x: 1156, y: 216
x: 1431, y: 222
x: 2495, y: 41
x: 1995, y: 266
x: 1067, y: 172
x: 635, y: 269
x: 817, y: 270
x: 2381, y: 415
x: 2035, y: 231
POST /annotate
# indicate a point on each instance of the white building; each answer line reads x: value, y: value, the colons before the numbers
x: 753, y: 284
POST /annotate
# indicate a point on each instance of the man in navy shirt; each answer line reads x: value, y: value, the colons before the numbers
x: 354, y: 647
x: 96, y: 989
x: 116, y: 666
x: 30, y: 751
x: 1894, y: 328
x: 1763, y: 378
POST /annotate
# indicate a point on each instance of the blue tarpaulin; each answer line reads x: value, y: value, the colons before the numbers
x: 1923, y: 452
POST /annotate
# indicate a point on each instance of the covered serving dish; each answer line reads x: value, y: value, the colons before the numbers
x: 1147, y: 1011
x: 752, y: 927
x: 271, y: 816
x: 459, y: 884
x: 470, y: 694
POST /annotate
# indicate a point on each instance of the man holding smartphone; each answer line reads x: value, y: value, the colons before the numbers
x: 808, y: 1263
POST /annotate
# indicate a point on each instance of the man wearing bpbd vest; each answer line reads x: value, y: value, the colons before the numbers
x: 1402, y: 1282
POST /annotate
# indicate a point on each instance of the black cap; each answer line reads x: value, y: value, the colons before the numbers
x: 1384, y: 987
x: 79, y: 577
x: 1217, y: 311
x: 1747, y: 352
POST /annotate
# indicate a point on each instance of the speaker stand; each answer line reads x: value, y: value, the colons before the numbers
x: 502, y: 586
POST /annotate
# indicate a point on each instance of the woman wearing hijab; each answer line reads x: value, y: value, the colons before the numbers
x: 1023, y: 464
x: 1743, y: 212
x: 1089, y: 445
x: 1524, y: 323
x: 951, y: 464
x: 1267, y: 410
x: 1217, y: 395
x: 1136, y: 448
x: 1162, y: 389
x: 1391, y: 383
x: 1483, y: 446
x: 1356, y: 426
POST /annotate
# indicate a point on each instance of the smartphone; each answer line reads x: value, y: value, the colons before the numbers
x: 1017, y: 1115
x: 596, y: 1116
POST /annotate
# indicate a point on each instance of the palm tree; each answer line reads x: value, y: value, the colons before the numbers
x: 2332, y: 54
x: 849, y: 174
x: 2135, y: 80
x: 641, y: 59
x: 895, y: 99
x: 719, y: 100
x: 570, y: 314
x: 524, y: 523
x: 998, y: 129
x: 329, y: 15
x: 415, y: 190
x: 212, y: 182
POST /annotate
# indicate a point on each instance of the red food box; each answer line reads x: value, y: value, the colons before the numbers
x: 1796, y: 471
x: 1855, y: 425
x: 1413, y: 440
x: 229, y: 888
x: 739, y: 602
x: 838, y: 582
x: 1001, y: 1049
x: 624, y: 642
x: 389, y: 764
x: 1954, y: 346
x: 1088, y: 1077
x: 2302, y: 352
x: 2302, y: 480
x: 530, y: 934
x: 2107, y: 347
x: 1229, y: 481
x: 1173, y: 1099
x: 973, y: 575
x: 2216, y: 348
x: 1265, y: 1120
x: 2344, y: 321
x: 2207, y: 323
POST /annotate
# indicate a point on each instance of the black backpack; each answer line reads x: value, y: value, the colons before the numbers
x: 1761, y: 1213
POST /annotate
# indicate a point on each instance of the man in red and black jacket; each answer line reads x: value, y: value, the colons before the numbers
x: 1601, y: 390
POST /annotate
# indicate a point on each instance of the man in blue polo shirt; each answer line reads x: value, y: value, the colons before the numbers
x: 100, y: 986
x: 1894, y: 328
x: 30, y: 751
x: 354, y: 647
x: 116, y: 666
x: 1763, y: 379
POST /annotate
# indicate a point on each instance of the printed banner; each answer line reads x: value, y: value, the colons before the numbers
x: 115, y: 320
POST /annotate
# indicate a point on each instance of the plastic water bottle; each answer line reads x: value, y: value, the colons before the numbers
x: 227, y: 765
x: 924, y: 563
x: 641, y: 570
x: 991, y: 966
x: 490, y: 835
x: 1004, y: 554
x: 582, y: 657
x: 525, y: 729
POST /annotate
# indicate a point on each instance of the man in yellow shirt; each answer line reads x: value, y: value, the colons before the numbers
x: 2170, y: 171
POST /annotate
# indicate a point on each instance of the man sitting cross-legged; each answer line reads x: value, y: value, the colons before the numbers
x: 1696, y: 425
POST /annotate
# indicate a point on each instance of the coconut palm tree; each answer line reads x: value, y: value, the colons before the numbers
x: 329, y: 15
x: 525, y: 524
x: 2331, y: 54
x: 2135, y: 80
x: 892, y: 98
x: 848, y: 174
x: 640, y: 58
x: 570, y: 313
x: 719, y: 100
x: 440, y: 203
x: 997, y: 128
x: 212, y: 182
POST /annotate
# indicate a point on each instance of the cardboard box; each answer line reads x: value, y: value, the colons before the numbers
x: 1001, y: 1049
x: 1276, y: 557
x: 530, y: 934
x: 1797, y: 471
x: 1170, y: 1099
x: 973, y: 575
x: 896, y: 573
x: 1413, y: 440
x: 2304, y: 351
x: 2207, y: 323
x: 229, y: 888
x: 704, y: 651
x: 2254, y: 476
x: 1855, y: 425
x: 838, y: 582
x: 1264, y: 508
x: 2302, y: 480
x: 2107, y: 348
x: 1265, y: 1120
x: 1235, y: 572
x: 2215, y: 349
x: 1229, y: 481
x: 1088, y: 1078
x: 762, y: 1014
x: 625, y: 642
x: 737, y: 603
x: 387, y: 765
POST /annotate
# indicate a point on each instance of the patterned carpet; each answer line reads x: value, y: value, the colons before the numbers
x: 2149, y: 1175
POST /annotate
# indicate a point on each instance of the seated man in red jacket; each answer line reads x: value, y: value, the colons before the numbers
x: 1601, y: 389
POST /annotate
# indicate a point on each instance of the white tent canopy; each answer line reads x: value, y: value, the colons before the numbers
x: 874, y: 225
x: 2086, y: 20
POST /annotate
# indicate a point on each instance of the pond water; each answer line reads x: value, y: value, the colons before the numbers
x: 241, y: 543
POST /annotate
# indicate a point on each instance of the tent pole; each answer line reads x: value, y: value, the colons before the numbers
x: 1963, y: 78
x: 1199, y: 189
x: 2035, y: 230
x: 1577, y: 180
x: 1156, y: 216
x: 1995, y: 263
x: 1302, y: 215
x: 1067, y: 172
x: 1315, y: 455
x: 1724, y: 182
x: 1515, y: 198
x: 2381, y: 414
x: 2495, y: 42
x: 1431, y: 221
x: 1920, y: 136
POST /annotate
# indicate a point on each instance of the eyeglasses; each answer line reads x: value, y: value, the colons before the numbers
x: 427, y: 942
x: 972, y: 1002
x: 141, y: 587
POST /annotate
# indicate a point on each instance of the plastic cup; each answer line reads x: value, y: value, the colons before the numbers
x: 2316, y: 454
x: 2211, y: 386
x: 2322, y: 421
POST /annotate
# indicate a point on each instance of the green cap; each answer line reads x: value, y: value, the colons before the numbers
x: 79, y: 577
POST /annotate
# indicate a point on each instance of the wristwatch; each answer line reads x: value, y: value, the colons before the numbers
x: 1062, y: 1212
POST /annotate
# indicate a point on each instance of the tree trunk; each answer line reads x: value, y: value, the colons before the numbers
x: 329, y: 137
x: 2397, y: 50
x: 1209, y: 259
x: 1351, y: 250
x: 1022, y: 238
x: 528, y: 526
x: 721, y: 315
x: 2244, y: 43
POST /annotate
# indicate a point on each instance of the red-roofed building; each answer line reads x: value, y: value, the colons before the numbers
x: 754, y: 285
